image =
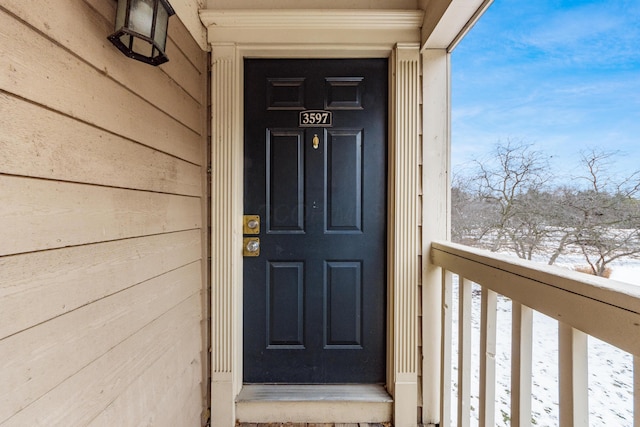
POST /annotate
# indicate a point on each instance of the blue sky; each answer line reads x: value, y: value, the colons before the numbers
x: 561, y: 75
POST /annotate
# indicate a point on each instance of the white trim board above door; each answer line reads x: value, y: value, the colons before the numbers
x: 332, y: 29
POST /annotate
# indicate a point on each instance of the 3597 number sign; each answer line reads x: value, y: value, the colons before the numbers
x: 315, y: 118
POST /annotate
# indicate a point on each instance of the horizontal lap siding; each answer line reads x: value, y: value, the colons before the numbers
x: 102, y: 162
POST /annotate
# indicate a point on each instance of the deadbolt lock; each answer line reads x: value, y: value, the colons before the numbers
x: 251, y: 246
x: 251, y: 224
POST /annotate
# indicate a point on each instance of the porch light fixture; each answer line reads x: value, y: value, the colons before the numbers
x: 141, y: 29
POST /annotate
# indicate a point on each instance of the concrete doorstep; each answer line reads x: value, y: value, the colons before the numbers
x: 313, y: 425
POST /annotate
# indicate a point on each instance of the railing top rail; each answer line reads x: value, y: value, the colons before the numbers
x: 604, y: 308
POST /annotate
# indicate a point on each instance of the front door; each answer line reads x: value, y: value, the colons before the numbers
x: 315, y: 174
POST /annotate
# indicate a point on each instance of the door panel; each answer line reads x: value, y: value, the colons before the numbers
x: 285, y: 183
x: 314, y: 300
x: 343, y: 170
x: 285, y: 318
x: 343, y: 305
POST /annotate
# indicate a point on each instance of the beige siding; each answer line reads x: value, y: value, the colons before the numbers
x: 102, y: 194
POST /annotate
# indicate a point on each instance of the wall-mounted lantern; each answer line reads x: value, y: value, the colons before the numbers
x: 141, y: 29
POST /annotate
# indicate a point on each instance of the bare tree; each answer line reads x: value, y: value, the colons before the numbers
x: 507, y: 204
x: 560, y: 221
x: 529, y: 229
x: 510, y: 181
x: 606, y: 214
x: 471, y: 217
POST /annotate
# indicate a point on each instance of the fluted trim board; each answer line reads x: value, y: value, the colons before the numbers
x: 404, y: 147
x: 226, y: 233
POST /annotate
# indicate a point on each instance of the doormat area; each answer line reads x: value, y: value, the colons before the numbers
x: 313, y: 425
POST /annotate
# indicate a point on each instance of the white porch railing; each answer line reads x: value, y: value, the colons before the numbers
x: 583, y: 305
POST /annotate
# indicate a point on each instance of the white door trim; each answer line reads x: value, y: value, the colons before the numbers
x: 235, y: 35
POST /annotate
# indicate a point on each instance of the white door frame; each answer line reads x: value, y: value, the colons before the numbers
x: 237, y: 34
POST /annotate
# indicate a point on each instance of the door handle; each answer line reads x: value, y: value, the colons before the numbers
x: 251, y: 246
x: 251, y: 224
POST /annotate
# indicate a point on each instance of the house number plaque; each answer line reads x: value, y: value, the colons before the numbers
x: 315, y: 118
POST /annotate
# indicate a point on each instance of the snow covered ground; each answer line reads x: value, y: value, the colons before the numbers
x: 610, y: 369
x: 627, y: 272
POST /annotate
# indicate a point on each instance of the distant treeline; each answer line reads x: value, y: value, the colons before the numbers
x: 510, y: 201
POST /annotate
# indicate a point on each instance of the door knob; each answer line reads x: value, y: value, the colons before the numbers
x: 251, y: 224
x: 251, y: 246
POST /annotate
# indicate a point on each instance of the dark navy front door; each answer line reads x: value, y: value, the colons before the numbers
x: 314, y: 299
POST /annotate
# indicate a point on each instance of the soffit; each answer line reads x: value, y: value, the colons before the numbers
x: 447, y: 21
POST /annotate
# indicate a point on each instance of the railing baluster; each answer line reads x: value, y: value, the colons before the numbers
x: 573, y: 377
x: 488, y: 358
x: 447, y: 322
x: 636, y: 391
x: 521, y: 363
x: 607, y: 310
x: 464, y: 353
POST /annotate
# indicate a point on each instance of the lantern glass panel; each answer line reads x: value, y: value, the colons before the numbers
x: 125, y: 39
x: 141, y: 16
x: 121, y: 14
x: 142, y: 47
x: 162, y: 21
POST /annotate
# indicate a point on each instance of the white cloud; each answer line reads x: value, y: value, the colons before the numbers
x: 596, y: 34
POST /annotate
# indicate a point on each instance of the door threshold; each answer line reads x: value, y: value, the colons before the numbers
x: 314, y: 403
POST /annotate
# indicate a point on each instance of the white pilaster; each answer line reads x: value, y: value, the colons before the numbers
x: 404, y: 211
x: 226, y: 234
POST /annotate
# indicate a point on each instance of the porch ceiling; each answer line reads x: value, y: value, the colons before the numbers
x: 447, y: 21
x: 443, y: 22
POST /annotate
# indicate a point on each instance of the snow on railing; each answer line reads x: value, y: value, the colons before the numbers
x: 583, y: 306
